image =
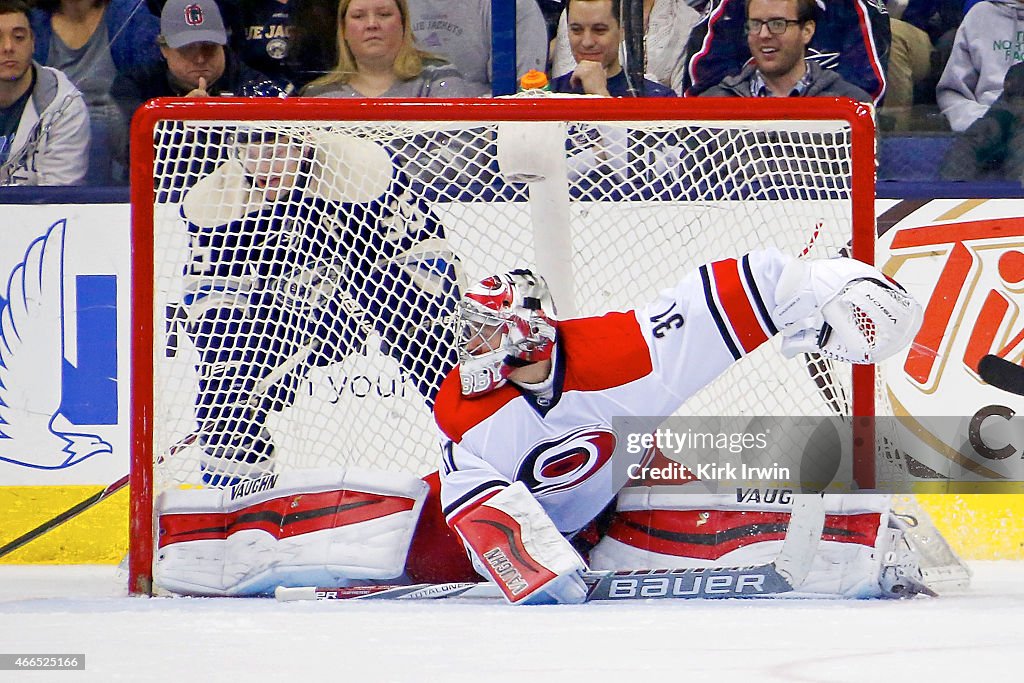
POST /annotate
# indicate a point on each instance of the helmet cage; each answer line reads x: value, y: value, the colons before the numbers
x: 504, y: 323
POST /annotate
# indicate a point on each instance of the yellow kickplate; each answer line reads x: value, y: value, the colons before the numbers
x: 98, y: 535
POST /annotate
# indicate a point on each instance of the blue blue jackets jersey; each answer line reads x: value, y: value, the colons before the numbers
x: 851, y: 36
x: 304, y: 280
x: 617, y: 86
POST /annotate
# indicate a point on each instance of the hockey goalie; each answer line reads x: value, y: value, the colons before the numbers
x: 528, y: 389
x: 530, y: 392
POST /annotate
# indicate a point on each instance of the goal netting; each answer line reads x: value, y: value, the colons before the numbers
x: 297, y: 263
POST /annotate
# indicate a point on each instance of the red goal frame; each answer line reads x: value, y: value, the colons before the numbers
x: 859, y: 116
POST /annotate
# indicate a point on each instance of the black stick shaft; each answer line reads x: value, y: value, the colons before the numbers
x: 70, y: 513
x: 1002, y: 374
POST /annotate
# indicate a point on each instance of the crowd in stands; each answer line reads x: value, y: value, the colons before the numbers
x: 79, y: 69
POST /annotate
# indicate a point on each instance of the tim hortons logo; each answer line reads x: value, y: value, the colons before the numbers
x: 969, y: 277
x: 972, y: 306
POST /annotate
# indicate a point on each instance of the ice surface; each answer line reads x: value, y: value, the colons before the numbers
x: 978, y: 636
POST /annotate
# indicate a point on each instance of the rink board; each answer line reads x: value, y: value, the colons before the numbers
x: 921, y: 241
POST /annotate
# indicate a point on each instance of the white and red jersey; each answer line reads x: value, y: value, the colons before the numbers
x: 637, y: 363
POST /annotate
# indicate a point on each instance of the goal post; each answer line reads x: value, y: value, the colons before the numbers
x: 295, y: 262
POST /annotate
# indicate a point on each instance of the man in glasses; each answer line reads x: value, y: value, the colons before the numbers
x: 778, y: 33
x: 851, y: 37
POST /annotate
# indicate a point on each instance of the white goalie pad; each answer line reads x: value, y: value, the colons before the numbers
x: 665, y: 531
x: 341, y: 168
x: 843, y: 309
x: 303, y: 527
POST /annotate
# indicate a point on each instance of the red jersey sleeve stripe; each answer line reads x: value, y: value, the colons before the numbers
x: 872, y: 51
x: 716, y: 314
x: 472, y: 498
x: 735, y: 303
x: 705, y: 46
x: 755, y: 296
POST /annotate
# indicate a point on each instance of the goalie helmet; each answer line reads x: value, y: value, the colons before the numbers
x: 505, y: 321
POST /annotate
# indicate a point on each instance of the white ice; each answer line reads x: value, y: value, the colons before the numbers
x: 975, y: 636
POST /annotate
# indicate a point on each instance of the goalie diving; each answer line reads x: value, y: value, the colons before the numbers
x: 526, y: 425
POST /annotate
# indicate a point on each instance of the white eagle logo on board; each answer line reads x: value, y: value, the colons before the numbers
x: 33, y: 432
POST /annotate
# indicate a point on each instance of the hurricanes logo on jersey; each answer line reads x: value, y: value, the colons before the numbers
x: 567, y: 461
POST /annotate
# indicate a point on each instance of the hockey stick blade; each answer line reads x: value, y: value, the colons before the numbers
x: 783, y: 575
x: 70, y: 513
x: 1002, y: 374
x: 416, y: 591
x: 716, y: 582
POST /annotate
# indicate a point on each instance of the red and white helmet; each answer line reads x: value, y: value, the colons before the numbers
x: 505, y: 322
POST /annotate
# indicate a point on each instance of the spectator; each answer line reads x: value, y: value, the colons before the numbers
x: 852, y: 37
x: 778, y: 33
x: 595, y: 33
x: 993, y: 146
x: 667, y: 25
x: 195, y: 63
x: 460, y: 31
x: 987, y: 44
x: 44, y: 124
x: 378, y: 57
x: 910, y: 63
x: 595, y: 37
x: 937, y: 18
x: 260, y: 31
x: 263, y: 37
x: 92, y: 41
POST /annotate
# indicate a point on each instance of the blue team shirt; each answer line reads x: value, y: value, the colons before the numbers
x: 617, y: 86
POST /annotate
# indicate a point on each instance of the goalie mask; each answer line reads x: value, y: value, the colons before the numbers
x: 505, y: 322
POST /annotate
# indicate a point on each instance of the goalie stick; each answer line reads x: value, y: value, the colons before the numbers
x: 1002, y: 374
x: 715, y: 582
x: 70, y: 513
x: 786, y: 573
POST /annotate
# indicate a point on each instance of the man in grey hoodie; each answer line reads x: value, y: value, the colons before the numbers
x: 778, y: 32
x: 44, y: 124
x: 989, y: 41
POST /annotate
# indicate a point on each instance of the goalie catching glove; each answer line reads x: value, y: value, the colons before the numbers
x: 515, y: 545
x: 843, y: 309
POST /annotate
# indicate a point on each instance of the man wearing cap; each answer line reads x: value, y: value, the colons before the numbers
x: 196, y: 63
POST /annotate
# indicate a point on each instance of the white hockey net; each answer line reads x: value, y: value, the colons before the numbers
x: 306, y: 322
